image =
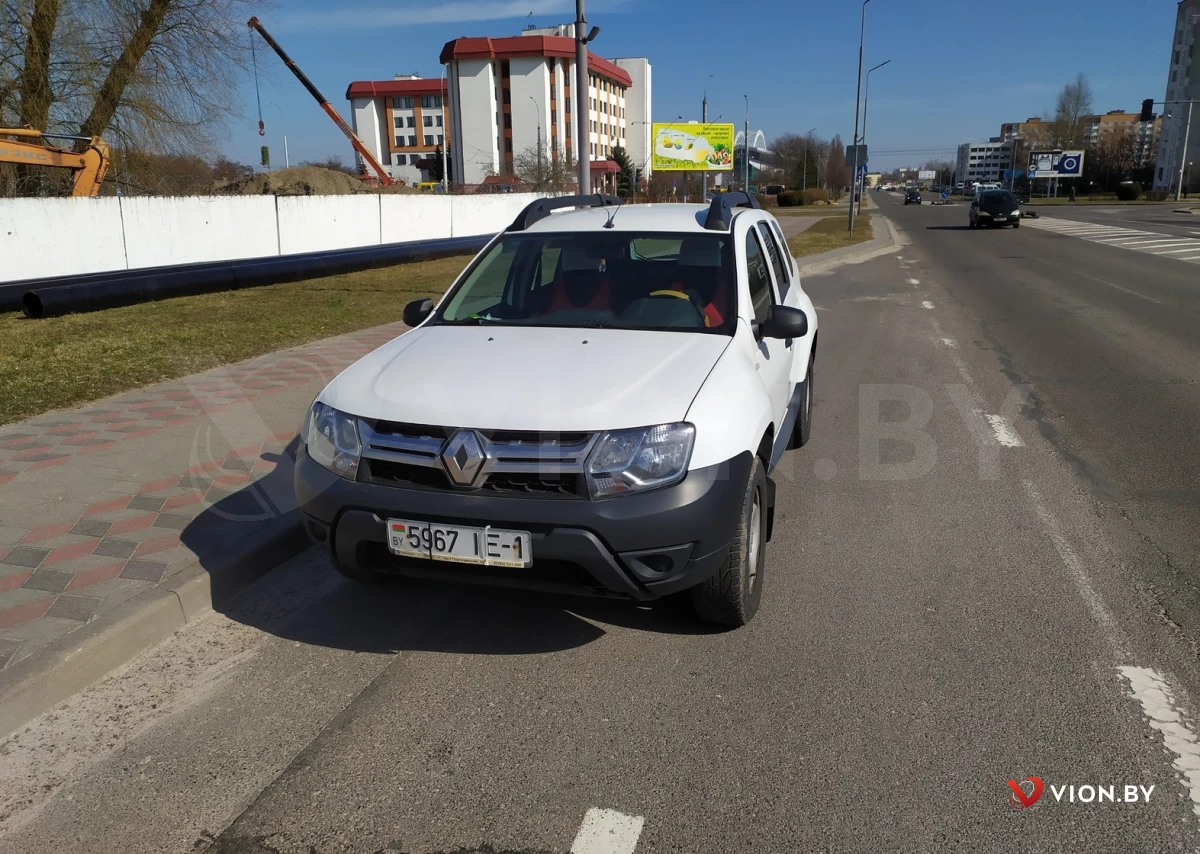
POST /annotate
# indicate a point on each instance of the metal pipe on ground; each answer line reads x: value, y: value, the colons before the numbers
x: 96, y: 291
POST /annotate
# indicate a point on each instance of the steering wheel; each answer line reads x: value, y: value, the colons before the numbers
x: 692, y: 299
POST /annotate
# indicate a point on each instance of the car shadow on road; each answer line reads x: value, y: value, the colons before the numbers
x: 401, y: 615
x: 947, y: 228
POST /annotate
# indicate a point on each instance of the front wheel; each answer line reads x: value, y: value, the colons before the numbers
x: 971, y: 224
x: 1016, y: 225
x: 730, y: 596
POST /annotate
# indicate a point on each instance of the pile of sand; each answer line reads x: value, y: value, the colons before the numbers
x: 304, y: 181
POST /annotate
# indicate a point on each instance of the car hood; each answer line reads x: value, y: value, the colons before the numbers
x: 523, y: 378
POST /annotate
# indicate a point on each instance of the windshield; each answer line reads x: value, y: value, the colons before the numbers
x: 998, y: 199
x: 623, y: 280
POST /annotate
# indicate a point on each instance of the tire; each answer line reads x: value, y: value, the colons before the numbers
x: 731, y: 595
x: 802, y: 429
x: 1016, y: 225
x: 971, y: 224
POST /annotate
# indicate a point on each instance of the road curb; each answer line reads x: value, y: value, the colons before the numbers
x: 883, y: 241
x: 64, y: 667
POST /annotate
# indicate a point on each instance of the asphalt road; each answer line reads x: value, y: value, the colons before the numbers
x: 965, y: 587
x: 1161, y: 219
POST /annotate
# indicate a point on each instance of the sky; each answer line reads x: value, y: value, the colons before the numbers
x: 959, y: 68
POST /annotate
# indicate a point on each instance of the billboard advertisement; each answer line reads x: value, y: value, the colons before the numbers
x: 692, y: 147
x: 925, y: 175
x: 1056, y: 164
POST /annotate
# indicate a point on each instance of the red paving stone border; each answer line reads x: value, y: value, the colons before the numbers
x: 119, y: 536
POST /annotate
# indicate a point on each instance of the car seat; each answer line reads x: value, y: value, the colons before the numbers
x: 582, y: 282
x: 701, y: 273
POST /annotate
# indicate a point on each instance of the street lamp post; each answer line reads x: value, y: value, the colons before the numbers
x: 1187, y: 129
x: 746, y: 149
x: 866, y: 102
x: 538, y: 107
x: 582, y: 37
x: 862, y: 34
x: 704, y: 118
x: 807, y: 137
x: 283, y: 125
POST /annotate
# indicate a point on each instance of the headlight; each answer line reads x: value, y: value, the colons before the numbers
x: 332, y: 439
x: 639, y: 459
x: 1015, y: 213
x: 984, y: 213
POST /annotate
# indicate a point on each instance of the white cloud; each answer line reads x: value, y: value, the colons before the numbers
x: 456, y: 11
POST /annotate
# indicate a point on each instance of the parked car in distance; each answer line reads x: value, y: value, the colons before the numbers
x: 912, y: 196
x: 994, y: 208
x: 597, y: 405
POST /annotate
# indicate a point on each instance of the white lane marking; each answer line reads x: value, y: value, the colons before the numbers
x: 926, y: 304
x: 949, y: 342
x: 1004, y: 432
x: 1151, y: 690
x: 1139, y: 240
x: 1095, y: 279
x: 607, y: 832
x: 1091, y: 599
x: 914, y: 281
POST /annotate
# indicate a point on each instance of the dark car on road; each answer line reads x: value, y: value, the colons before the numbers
x: 995, y: 208
x: 911, y: 196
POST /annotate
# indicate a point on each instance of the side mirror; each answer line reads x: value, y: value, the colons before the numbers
x: 784, y: 322
x: 417, y: 311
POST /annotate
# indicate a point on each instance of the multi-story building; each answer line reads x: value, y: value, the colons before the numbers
x: 1118, y: 121
x: 506, y: 93
x: 1183, y: 84
x: 984, y: 161
x: 1031, y: 128
x: 402, y: 122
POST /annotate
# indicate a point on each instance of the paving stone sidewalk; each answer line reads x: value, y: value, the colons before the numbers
x: 100, y: 503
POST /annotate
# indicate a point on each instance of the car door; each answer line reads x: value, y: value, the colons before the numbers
x: 773, y: 359
x: 787, y: 282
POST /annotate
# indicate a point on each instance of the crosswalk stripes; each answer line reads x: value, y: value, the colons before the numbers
x: 1151, y: 242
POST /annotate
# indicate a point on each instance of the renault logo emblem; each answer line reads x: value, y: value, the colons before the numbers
x: 463, y: 457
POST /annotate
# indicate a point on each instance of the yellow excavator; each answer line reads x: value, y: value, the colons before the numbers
x: 89, y: 165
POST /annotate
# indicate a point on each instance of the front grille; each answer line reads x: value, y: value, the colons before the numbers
x: 388, y: 473
x: 521, y: 485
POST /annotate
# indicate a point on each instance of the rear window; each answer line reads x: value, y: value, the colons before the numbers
x: 644, y: 281
x: 998, y: 197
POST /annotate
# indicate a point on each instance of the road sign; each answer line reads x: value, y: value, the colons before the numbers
x: 862, y: 153
x: 1032, y: 173
x: 945, y: 194
x: 862, y: 171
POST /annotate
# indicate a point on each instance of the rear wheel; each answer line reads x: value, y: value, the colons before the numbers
x: 731, y: 595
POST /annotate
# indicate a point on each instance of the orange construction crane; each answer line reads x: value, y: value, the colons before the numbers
x: 384, y: 177
x: 90, y: 165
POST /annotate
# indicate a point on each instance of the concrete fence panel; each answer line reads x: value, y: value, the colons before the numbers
x: 162, y: 231
x: 318, y: 223
x: 405, y: 218
x: 40, y: 238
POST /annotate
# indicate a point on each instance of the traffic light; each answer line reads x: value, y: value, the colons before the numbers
x: 1147, y: 114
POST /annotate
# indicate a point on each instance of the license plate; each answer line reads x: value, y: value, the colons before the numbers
x: 458, y: 544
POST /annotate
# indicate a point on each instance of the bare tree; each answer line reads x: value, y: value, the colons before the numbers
x: 152, y: 74
x: 1071, y: 112
x: 836, y: 173
x: 549, y: 171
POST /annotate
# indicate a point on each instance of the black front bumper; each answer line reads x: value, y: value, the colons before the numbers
x: 639, y: 546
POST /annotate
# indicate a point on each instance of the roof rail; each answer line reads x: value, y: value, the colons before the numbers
x: 720, y: 212
x: 541, y: 208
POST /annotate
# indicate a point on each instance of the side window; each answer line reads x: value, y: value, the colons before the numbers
x: 758, y: 276
x: 787, y: 262
x: 777, y: 263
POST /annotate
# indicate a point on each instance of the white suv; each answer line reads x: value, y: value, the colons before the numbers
x: 596, y: 406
